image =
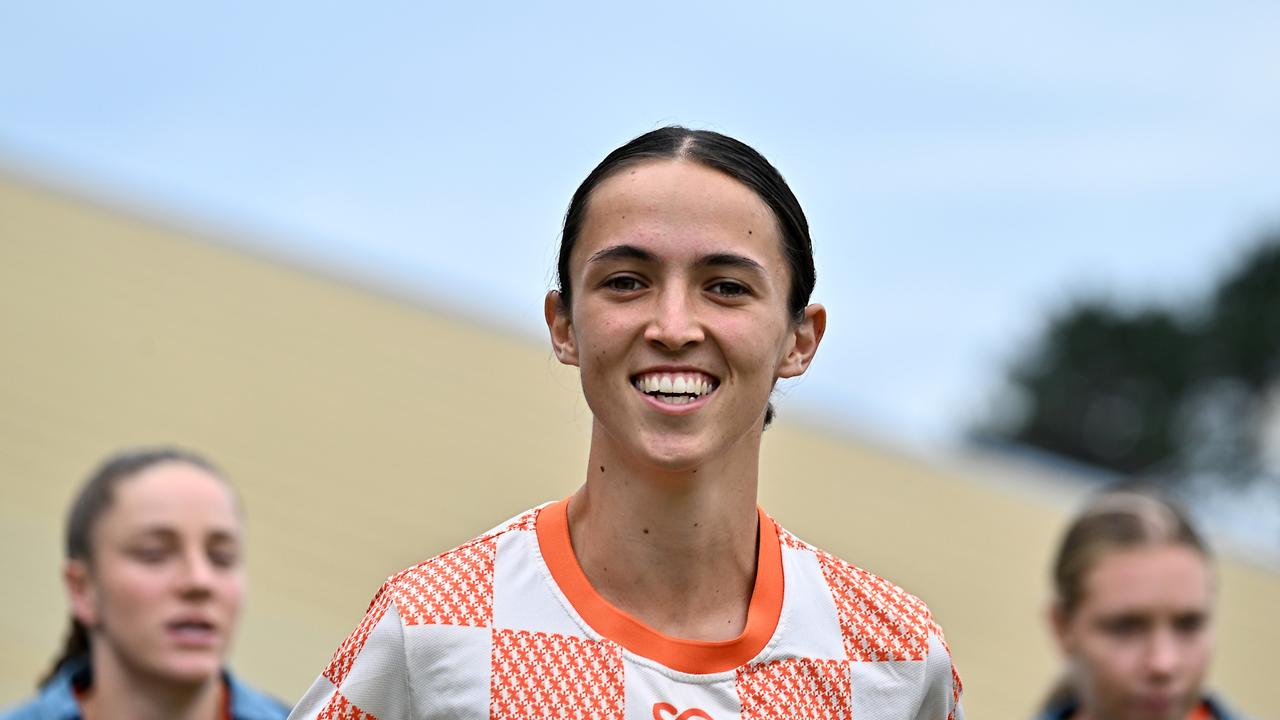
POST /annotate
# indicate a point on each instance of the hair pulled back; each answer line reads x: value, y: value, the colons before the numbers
x: 1117, y: 520
x: 719, y: 152
x: 88, y: 507
x: 1113, y: 521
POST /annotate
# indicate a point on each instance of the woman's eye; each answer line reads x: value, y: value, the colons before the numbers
x: 1189, y: 624
x: 623, y: 283
x: 224, y: 558
x: 149, y: 555
x: 728, y: 288
x: 1124, y: 627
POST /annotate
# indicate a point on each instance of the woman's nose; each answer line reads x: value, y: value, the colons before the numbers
x: 196, y: 573
x: 1164, y: 653
x: 675, y: 323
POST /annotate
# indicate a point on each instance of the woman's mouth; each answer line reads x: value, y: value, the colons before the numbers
x: 675, y: 388
x: 193, y: 632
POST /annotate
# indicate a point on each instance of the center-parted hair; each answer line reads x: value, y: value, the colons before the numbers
x: 719, y: 152
x: 1117, y: 520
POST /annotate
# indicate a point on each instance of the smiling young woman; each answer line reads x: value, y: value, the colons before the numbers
x: 155, y: 581
x: 1132, y: 614
x: 658, y: 590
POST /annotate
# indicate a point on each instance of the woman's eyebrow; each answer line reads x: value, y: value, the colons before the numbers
x: 622, y: 252
x: 631, y: 252
x: 730, y: 260
x: 160, y: 531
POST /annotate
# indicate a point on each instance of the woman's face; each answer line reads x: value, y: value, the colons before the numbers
x: 679, y: 322
x: 162, y: 592
x: 1139, y: 642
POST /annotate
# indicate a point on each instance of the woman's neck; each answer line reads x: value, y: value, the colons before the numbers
x: 120, y: 692
x: 676, y: 550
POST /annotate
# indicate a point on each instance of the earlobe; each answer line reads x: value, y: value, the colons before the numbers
x: 560, y: 326
x: 80, y: 591
x: 806, y: 336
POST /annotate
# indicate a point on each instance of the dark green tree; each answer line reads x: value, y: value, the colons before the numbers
x: 1158, y: 393
x: 1242, y: 335
x: 1102, y: 386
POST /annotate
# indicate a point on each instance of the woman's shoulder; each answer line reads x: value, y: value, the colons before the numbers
x: 1219, y: 709
x: 250, y: 704
x: 29, y: 710
x: 1212, y: 706
x: 862, y: 596
x: 55, y: 701
x: 879, y: 622
x: 453, y: 589
x: 456, y: 586
x: 38, y: 708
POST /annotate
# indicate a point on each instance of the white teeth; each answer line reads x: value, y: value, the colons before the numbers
x: 675, y: 399
x: 679, y: 385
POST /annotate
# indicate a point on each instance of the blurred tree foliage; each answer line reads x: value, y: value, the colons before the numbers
x: 1166, y: 394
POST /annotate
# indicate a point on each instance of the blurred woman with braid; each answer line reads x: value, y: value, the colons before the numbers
x: 155, y: 578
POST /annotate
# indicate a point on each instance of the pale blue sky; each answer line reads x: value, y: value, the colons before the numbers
x: 965, y: 167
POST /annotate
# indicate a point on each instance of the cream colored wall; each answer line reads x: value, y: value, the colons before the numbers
x: 366, y: 434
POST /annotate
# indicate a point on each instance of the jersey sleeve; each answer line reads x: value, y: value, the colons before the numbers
x: 941, y: 700
x: 367, y: 679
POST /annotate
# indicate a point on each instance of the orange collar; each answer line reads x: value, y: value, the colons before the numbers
x: 1202, y: 712
x: 690, y: 656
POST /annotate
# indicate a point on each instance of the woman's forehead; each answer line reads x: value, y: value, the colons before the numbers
x: 171, y: 494
x: 1149, y: 576
x: 679, y: 208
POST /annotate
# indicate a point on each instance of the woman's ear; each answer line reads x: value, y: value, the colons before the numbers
x: 1061, y: 626
x: 81, y: 592
x: 806, y: 335
x: 560, y: 326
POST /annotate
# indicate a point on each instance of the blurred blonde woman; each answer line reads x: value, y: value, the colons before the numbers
x: 1133, y: 614
x: 154, y: 576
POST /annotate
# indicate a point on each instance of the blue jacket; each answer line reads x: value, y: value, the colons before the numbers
x: 1067, y: 708
x: 57, y: 699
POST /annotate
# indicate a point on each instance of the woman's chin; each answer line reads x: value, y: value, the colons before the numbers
x: 189, y: 669
x: 687, y: 449
x: 679, y: 454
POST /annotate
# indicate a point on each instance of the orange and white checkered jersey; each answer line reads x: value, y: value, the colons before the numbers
x: 507, y: 627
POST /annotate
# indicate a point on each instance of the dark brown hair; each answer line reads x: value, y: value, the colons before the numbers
x: 719, y: 152
x: 88, y: 507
